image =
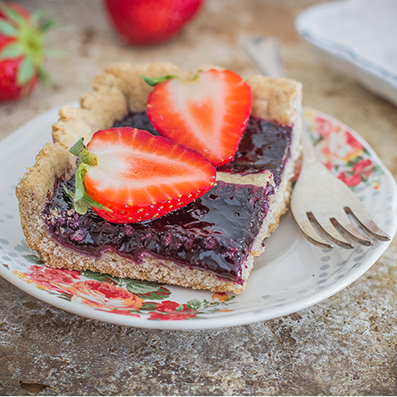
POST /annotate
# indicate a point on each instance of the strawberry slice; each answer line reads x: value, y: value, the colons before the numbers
x: 130, y: 175
x: 208, y: 113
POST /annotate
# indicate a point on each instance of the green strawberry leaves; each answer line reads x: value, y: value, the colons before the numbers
x: 13, y: 50
x: 81, y: 200
x: 12, y: 15
x: 46, y: 25
x: 25, y: 71
x: 37, y: 16
x: 44, y: 77
x: 28, y: 33
x: 7, y: 29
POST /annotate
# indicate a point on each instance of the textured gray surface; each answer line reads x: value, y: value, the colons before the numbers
x: 344, y: 346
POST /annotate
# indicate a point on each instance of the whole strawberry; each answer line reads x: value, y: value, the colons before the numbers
x: 150, y: 21
x: 22, y: 51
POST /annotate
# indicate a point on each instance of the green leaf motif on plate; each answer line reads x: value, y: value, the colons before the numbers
x: 66, y: 296
x: 146, y: 290
x: 23, y: 247
x: 161, y: 294
x: 103, y: 278
x: 142, y: 289
x: 193, y: 304
x: 32, y: 258
x: 149, y: 306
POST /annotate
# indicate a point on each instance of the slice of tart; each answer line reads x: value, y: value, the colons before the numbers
x: 209, y: 243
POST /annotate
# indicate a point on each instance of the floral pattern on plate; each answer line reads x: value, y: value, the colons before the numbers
x: 116, y: 295
x: 342, y: 153
x: 289, y: 276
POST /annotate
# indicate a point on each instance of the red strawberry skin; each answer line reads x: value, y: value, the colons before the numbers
x: 142, y: 177
x: 30, y: 37
x: 9, y: 88
x: 143, y: 22
x: 208, y: 114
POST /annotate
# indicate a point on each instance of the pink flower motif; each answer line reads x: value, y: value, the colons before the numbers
x: 50, y: 279
x: 364, y: 167
x: 170, y: 307
x: 352, y: 180
x: 104, y: 295
x: 353, y: 142
x: 171, y: 316
x: 324, y: 127
x: 337, y: 144
x: 170, y: 312
x: 122, y: 312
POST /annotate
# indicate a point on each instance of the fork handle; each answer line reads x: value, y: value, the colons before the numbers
x: 265, y: 53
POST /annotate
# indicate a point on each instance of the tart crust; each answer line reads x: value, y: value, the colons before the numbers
x: 117, y: 90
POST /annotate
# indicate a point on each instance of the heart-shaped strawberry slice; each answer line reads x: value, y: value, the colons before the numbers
x: 130, y: 175
x: 208, y: 113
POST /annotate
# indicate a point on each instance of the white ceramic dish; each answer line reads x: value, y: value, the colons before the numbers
x: 358, y: 38
x: 291, y: 275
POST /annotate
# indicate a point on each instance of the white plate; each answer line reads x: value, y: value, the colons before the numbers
x: 358, y: 38
x: 291, y: 275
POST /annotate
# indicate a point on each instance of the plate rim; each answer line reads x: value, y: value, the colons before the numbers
x: 247, y: 316
x: 346, y: 53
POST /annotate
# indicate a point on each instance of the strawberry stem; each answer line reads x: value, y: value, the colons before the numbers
x: 157, y: 80
x: 80, y: 151
x: 81, y: 200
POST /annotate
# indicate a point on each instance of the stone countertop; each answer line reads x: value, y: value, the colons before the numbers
x: 345, y: 345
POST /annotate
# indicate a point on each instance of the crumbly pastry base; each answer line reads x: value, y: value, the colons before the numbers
x: 117, y: 90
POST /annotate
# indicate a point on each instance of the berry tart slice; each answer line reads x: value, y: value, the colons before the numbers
x: 164, y: 175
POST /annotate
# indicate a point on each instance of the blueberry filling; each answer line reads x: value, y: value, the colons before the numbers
x: 263, y: 146
x: 214, y: 233
x: 136, y: 120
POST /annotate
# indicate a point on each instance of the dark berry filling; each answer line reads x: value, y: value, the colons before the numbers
x: 136, y: 120
x: 214, y: 233
x: 263, y: 146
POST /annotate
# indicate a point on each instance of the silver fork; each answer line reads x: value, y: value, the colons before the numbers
x: 319, y: 200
